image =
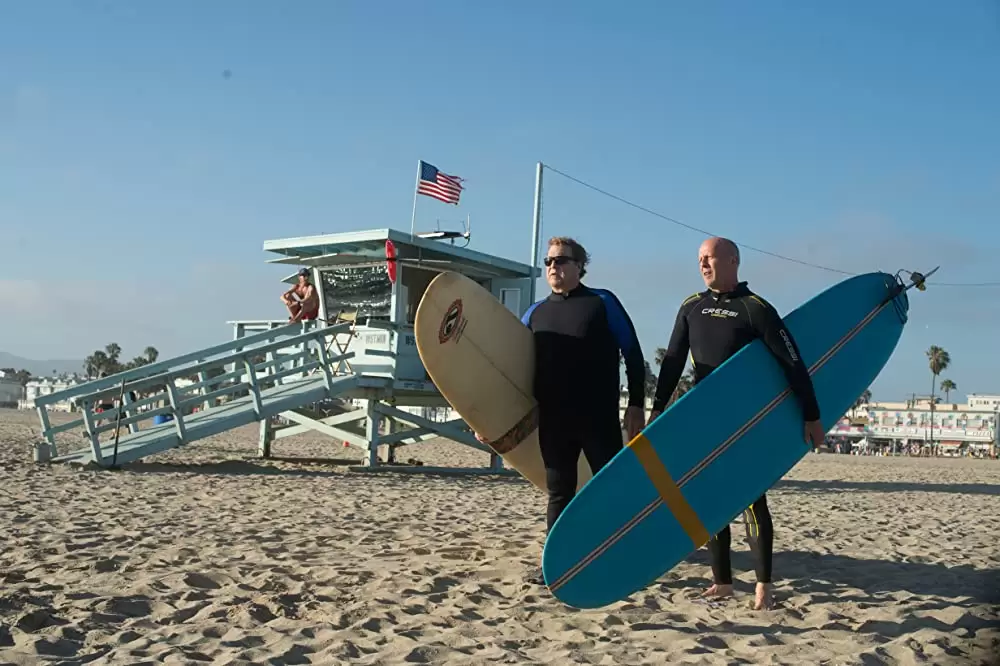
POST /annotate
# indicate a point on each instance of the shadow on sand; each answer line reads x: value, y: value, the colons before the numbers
x: 948, y: 599
x: 318, y: 468
x: 311, y: 467
x: 831, y: 578
x: 887, y: 487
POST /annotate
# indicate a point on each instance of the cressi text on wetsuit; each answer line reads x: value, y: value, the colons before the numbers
x: 712, y: 327
x: 580, y: 338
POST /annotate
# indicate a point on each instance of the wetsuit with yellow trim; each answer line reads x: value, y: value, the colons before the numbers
x: 712, y: 327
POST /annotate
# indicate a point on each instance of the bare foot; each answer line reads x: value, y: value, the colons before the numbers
x: 718, y: 591
x: 765, y: 599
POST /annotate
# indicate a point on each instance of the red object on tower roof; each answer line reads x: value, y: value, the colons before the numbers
x: 390, y: 260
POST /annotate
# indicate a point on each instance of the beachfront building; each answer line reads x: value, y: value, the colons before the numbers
x: 40, y: 386
x: 45, y: 385
x: 11, y: 390
x: 907, y: 427
x: 982, y: 401
x: 623, y: 403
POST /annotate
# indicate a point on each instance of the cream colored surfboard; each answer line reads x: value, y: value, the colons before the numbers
x: 481, y: 358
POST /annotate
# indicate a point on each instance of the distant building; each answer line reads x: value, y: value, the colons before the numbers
x: 11, y: 390
x: 907, y: 427
x: 45, y: 386
x: 987, y: 402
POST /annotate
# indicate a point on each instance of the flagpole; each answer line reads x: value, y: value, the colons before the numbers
x: 416, y: 187
x: 536, y: 226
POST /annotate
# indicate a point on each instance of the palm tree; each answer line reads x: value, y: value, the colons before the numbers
x: 684, y: 384
x: 107, y: 360
x: 650, y: 380
x: 659, y: 355
x: 113, y: 350
x: 96, y: 363
x: 149, y: 355
x: 863, y: 399
x: 938, y: 359
x: 948, y: 386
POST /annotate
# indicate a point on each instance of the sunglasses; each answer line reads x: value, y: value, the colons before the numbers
x: 558, y: 260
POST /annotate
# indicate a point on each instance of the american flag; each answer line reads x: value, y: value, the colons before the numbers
x: 439, y: 185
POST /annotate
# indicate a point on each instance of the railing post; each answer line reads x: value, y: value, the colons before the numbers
x: 270, y: 357
x: 324, y: 360
x: 175, y: 406
x: 235, y: 351
x: 43, y: 416
x: 373, y: 433
x: 95, y: 441
x: 254, y: 387
x: 203, y: 377
x: 127, y: 400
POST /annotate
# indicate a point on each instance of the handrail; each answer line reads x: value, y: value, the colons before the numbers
x: 177, y: 405
x: 182, y: 391
x: 163, y: 378
x: 308, y: 353
x: 149, y: 375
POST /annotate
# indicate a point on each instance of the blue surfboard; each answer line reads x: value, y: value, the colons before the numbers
x: 720, y: 446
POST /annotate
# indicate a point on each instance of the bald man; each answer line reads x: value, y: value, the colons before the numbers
x: 713, y: 325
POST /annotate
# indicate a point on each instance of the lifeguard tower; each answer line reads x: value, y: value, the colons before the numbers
x: 393, y: 401
x: 354, y: 375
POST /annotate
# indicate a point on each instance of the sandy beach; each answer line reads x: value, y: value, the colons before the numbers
x: 210, y: 555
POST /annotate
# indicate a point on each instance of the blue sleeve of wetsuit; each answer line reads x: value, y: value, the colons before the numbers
x: 628, y: 342
x: 526, y: 317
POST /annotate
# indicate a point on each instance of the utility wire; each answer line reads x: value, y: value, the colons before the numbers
x: 742, y: 245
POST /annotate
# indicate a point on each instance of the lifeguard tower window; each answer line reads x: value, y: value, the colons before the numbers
x: 415, y: 280
x: 357, y: 292
x: 511, y: 299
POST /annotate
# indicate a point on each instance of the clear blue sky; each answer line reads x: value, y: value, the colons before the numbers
x: 858, y: 135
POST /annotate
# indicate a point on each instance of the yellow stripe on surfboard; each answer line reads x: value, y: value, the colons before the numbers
x: 669, y: 492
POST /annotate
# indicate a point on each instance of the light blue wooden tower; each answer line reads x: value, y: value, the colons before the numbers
x: 350, y: 272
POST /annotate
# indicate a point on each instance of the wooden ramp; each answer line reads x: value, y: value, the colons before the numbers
x: 199, y: 425
x: 202, y: 394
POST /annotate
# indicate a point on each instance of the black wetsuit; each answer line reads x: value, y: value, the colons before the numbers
x: 580, y: 338
x: 713, y: 327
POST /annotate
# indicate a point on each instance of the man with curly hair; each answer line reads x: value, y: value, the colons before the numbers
x: 580, y: 334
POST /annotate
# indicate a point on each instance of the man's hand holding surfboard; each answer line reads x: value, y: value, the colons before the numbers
x: 814, y: 434
x: 633, y: 422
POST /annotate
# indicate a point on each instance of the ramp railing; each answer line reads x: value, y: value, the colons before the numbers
x: 212, y: 376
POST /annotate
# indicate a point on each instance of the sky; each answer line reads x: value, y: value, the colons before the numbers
x: 147, y: 151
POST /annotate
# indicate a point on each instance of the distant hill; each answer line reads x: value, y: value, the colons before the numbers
x: 40, y: 368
